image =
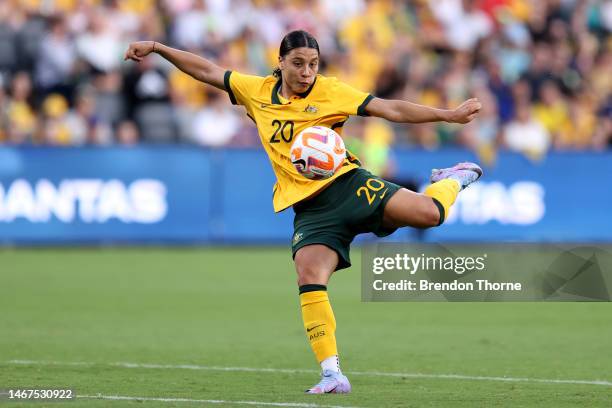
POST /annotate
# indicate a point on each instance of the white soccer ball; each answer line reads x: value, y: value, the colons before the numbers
x: 317, y: 152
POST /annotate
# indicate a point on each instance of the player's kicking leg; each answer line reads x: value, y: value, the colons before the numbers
x: 430, y: 209
x: 314, y: 265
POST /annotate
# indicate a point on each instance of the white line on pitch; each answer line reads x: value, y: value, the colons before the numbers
x: 206, y: 401
x: 293, y: 371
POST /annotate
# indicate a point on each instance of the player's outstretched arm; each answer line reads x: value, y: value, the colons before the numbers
x: 407, y: 112
x: 191, y: 64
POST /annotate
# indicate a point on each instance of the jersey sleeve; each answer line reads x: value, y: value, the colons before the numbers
x: 350, y: 101
x: 241, y: 86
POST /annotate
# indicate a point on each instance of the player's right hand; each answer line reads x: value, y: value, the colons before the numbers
x: 138, y: 50
x: 466, y: 112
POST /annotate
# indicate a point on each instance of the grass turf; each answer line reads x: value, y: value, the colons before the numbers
x: 239, y: 308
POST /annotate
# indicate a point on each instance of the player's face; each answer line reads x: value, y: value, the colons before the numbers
x: 299, y: 68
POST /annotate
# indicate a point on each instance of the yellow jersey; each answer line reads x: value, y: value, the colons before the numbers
x: 328, y: 102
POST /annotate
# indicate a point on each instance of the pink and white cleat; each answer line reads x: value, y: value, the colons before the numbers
x: 464, y: 173
x: 332, y: 382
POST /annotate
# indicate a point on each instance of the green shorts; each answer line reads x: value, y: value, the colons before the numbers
x: 353, y: 204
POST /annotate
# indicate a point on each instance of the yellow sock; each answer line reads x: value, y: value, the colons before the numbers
x: 319, y: 321
x: 444, y: 194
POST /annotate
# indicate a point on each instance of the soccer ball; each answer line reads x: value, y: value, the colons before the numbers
x: 317, y: 152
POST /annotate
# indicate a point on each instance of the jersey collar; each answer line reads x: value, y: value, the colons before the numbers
x: 276, y: 99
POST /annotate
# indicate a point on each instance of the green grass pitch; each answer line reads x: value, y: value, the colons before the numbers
x: 234, y: 313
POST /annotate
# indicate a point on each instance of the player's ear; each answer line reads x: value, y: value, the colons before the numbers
x: 281, y: 63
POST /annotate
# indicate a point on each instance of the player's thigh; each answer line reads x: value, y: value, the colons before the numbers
x: 407, y: 208
x: 315, y: 263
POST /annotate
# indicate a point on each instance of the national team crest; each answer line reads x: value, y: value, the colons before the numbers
x: 297, y: 237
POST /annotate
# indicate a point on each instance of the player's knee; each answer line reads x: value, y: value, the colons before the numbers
x: 314, y: 264
x: 309, y: 271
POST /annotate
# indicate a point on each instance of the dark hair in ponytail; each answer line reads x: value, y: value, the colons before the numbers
x: 295, y: 39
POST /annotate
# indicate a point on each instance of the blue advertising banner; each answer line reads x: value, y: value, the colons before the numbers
x: 104, y: 195
x: 193, y: 195
x: 564, y: 197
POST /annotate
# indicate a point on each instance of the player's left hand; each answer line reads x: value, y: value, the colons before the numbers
x: 138, y: 50
x: 466, y: 112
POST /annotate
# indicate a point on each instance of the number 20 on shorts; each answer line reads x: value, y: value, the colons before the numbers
x: 372, y: 186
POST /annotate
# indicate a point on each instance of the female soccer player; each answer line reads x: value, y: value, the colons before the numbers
x: 328, y: 213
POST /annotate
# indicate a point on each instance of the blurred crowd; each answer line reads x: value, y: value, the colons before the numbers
x: 542, y: 69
